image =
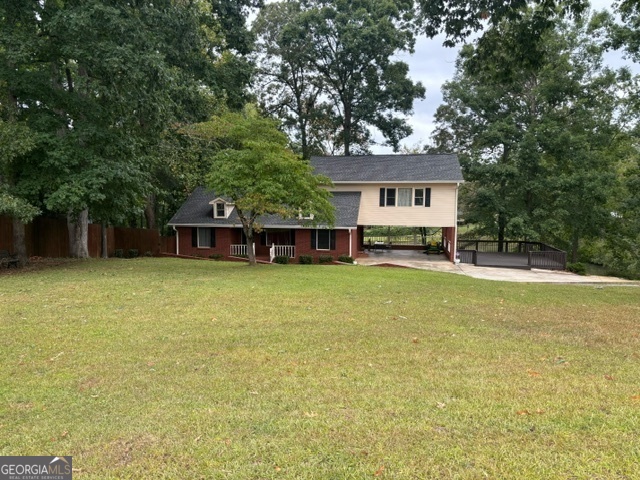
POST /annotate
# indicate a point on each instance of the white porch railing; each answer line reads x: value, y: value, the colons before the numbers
x: 241, y: 250
x: 281, y: 251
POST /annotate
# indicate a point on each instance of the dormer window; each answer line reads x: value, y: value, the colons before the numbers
x: 220, y: 210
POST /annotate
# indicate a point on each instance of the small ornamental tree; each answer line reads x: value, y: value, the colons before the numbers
x: 251, y: 164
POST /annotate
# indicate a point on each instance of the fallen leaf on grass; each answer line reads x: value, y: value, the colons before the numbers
x: 635, y: 397
x: 415, y: 340
x: 441, y: 405
x: 533, y: 374
x: 379, y: 472
x: 608, y: 377
x: 277, y: 468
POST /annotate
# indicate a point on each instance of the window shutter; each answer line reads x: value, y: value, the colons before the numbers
x: 213, y: 237
x: 194, y: 237
x: 313, y: 239
x: 382, y: 197
x: 332, y: 240
x: 427, y: 197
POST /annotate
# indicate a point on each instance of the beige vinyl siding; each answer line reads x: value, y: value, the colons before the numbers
x: 441, y: 213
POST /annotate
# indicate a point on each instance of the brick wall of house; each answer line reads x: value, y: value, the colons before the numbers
x: 225, y: 237
x: 303, y: 244
x: 448, y: 237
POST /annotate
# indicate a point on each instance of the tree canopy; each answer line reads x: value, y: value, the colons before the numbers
x: 252, y: 165
x: 536, y: 138
x: 337, y: 60
x: 98, y: 82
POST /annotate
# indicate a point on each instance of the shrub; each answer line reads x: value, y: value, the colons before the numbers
x: 216, y: 256
x: 577, y: 267
x: 118, y: 253
x: 133, y: 252
x: 281, y: 259
x: 345, y: 259
x: 148, y: 253
x: 325, y: 259
x: 305, y: 259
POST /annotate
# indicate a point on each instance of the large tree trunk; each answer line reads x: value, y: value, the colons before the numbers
x: 250, y: 247
x: 19, y: 244
x: 150, y: 211
x: 346, y: 130
x: 78, y: 226
x: 502, y: 225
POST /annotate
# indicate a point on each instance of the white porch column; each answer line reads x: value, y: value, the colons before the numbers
x: 350, y: 244
x: 454, y: 250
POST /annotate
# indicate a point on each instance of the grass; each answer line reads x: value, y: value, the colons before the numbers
x: 166, y: 368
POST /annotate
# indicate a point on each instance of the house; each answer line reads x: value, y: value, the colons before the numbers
x: 416, y: 190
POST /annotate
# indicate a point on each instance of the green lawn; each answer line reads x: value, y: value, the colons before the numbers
x: 167, y: 368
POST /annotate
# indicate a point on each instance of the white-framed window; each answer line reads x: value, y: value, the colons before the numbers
x: 387, y: 197
x: 422, y: 197
x: 404, y: 197
x: 203, y: 237
x: 220, y: 210
x: 323, y: 239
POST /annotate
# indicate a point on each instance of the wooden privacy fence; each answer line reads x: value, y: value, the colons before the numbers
x: 49, y: 237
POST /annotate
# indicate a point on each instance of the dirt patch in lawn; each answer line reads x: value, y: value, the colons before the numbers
x: 38, y: 263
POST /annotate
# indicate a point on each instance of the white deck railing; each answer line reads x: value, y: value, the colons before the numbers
x: 241, y: 250
x: 282, y: 251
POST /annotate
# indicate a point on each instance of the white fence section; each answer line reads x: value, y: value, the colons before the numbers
x: 282, y: 251
x: 241, y: 250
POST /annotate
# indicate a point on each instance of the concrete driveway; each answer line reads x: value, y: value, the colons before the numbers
x: 439, y: 263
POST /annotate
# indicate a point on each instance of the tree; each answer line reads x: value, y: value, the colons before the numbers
x: 347, y: 49
x: 16, y: 140
x: 458, y: 19
x: 99, y: 82
x: 535, y: 136
x: 289, y: 88
x: 251, y: 165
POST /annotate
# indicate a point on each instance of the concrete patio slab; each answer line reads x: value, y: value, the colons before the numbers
x: 439, y: 263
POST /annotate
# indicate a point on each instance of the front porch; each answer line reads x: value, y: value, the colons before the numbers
x: 241, y: 250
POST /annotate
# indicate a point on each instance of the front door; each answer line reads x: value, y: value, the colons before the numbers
x: 280, y: 237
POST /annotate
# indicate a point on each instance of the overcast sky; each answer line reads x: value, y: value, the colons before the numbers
x: 432, y: 64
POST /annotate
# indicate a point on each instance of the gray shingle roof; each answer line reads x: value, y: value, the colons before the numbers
x: 197, y: 211
x: 390, y: 168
